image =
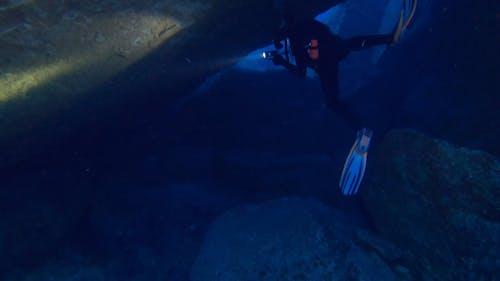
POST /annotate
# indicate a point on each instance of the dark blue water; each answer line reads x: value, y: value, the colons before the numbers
x: 136, y: 186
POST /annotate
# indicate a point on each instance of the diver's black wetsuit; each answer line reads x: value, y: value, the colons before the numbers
x: 332, y: 49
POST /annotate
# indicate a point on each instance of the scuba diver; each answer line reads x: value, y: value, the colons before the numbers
x: 314, y: 45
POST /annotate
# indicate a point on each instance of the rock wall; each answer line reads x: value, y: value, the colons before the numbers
x: 439, y: 201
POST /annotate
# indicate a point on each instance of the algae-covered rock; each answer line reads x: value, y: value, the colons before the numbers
x: 292, y: 239
x: 440, y: 201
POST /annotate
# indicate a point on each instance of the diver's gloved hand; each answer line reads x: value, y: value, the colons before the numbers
x: 279, y: 60
x: 277, y: 44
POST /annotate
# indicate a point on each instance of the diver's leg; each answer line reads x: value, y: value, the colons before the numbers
x: 363, y: 42
x: 330, y: 86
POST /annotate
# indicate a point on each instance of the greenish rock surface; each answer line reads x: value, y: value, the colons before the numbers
x: 440, y: 201
x: 293, y: 239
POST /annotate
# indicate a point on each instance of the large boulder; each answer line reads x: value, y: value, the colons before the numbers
x: 293, y: 239
x: 439, y: 201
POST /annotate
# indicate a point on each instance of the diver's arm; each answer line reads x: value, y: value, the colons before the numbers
x: 277, y: 42
x: 278, y: 37
x: 298, y: 70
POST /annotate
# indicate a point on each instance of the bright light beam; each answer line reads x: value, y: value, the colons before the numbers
x: 125, y: 39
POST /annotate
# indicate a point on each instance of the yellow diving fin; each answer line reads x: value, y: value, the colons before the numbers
x: 403, y: 23
x: 412, y: 14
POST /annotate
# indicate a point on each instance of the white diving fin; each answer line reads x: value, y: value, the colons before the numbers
x: 355, y: 164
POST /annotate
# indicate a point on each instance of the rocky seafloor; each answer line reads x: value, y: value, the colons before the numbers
x: 433, y: 210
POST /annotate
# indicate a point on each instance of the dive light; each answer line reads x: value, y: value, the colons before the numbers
x: 269, y: 54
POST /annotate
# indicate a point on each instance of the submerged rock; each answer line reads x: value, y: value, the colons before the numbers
x: 293, y: 239
x: 63, y: 271
x: 71, y: 15
x: 439, y: 201
x: 33, y: 232
x: 11, y: 4
x: 8, y: 29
